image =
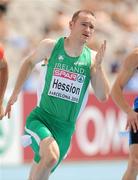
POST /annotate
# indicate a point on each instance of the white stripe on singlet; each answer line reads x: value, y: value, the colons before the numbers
x: 41, y: 84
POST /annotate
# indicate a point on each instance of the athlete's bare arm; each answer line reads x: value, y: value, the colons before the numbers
x: 3, y: 83
x: 43, y: 51
x: 128, y: 69
x: 99, y: 81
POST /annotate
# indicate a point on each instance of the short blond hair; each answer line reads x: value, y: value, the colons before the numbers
x: 76, y: 14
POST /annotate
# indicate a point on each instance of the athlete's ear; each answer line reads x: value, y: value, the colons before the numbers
x: 70, y: 25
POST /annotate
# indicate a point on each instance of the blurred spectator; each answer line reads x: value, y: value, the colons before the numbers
x: 3, y: 26
x: 117, y: 22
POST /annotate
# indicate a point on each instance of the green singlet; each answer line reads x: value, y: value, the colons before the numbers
x: 63, y: 96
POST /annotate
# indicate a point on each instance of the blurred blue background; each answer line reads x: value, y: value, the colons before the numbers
x: 72, y: 171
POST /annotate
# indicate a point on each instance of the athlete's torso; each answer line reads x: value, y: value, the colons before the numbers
x: 66, y: 82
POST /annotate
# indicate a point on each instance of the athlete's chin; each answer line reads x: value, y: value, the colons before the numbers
x: 84, y: 40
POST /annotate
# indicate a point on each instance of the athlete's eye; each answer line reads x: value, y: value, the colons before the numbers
x: 91, y: 27
x: 84, y: 24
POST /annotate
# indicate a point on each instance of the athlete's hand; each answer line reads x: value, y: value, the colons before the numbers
x: 132, y: 121
x: 1, y: 112
x: 100, y: 54
x: 11, y: 101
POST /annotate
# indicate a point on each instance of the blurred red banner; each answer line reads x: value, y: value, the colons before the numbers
x: 98, y: 134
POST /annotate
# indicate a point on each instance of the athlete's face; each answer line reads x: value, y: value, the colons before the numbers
x: 83, y: 27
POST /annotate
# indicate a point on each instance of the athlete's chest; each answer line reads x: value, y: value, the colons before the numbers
x: 79, y: 65
x: 69, y: 77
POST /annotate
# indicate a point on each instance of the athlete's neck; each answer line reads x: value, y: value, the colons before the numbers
x: 72, y: 48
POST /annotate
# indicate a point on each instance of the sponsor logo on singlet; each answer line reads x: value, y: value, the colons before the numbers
x: 66, y: 85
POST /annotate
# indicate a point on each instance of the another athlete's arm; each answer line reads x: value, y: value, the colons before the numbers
x: 125, y: 74
x: 3, y: 83
x: 43, y: 51
x: 99, y: 81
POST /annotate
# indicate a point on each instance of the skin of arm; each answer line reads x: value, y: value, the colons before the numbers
x: 125, y: 74
x: 3, y: 83
x: 43, y: 51
x: 3, y: 78
x: 99, y: 80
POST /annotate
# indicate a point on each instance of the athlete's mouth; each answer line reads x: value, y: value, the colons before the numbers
x: 86, y: 35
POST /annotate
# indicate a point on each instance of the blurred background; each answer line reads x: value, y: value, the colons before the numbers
x: 98, y: 150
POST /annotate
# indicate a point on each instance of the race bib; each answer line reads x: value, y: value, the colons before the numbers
x: 66, y: 85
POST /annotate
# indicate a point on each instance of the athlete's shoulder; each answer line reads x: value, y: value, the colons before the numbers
x: 46, y: 46
x: 48, y: 42
x: 93, y: 53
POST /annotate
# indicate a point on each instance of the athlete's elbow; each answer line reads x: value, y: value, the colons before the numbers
x: 28, y: 63
x: 103, y: 97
